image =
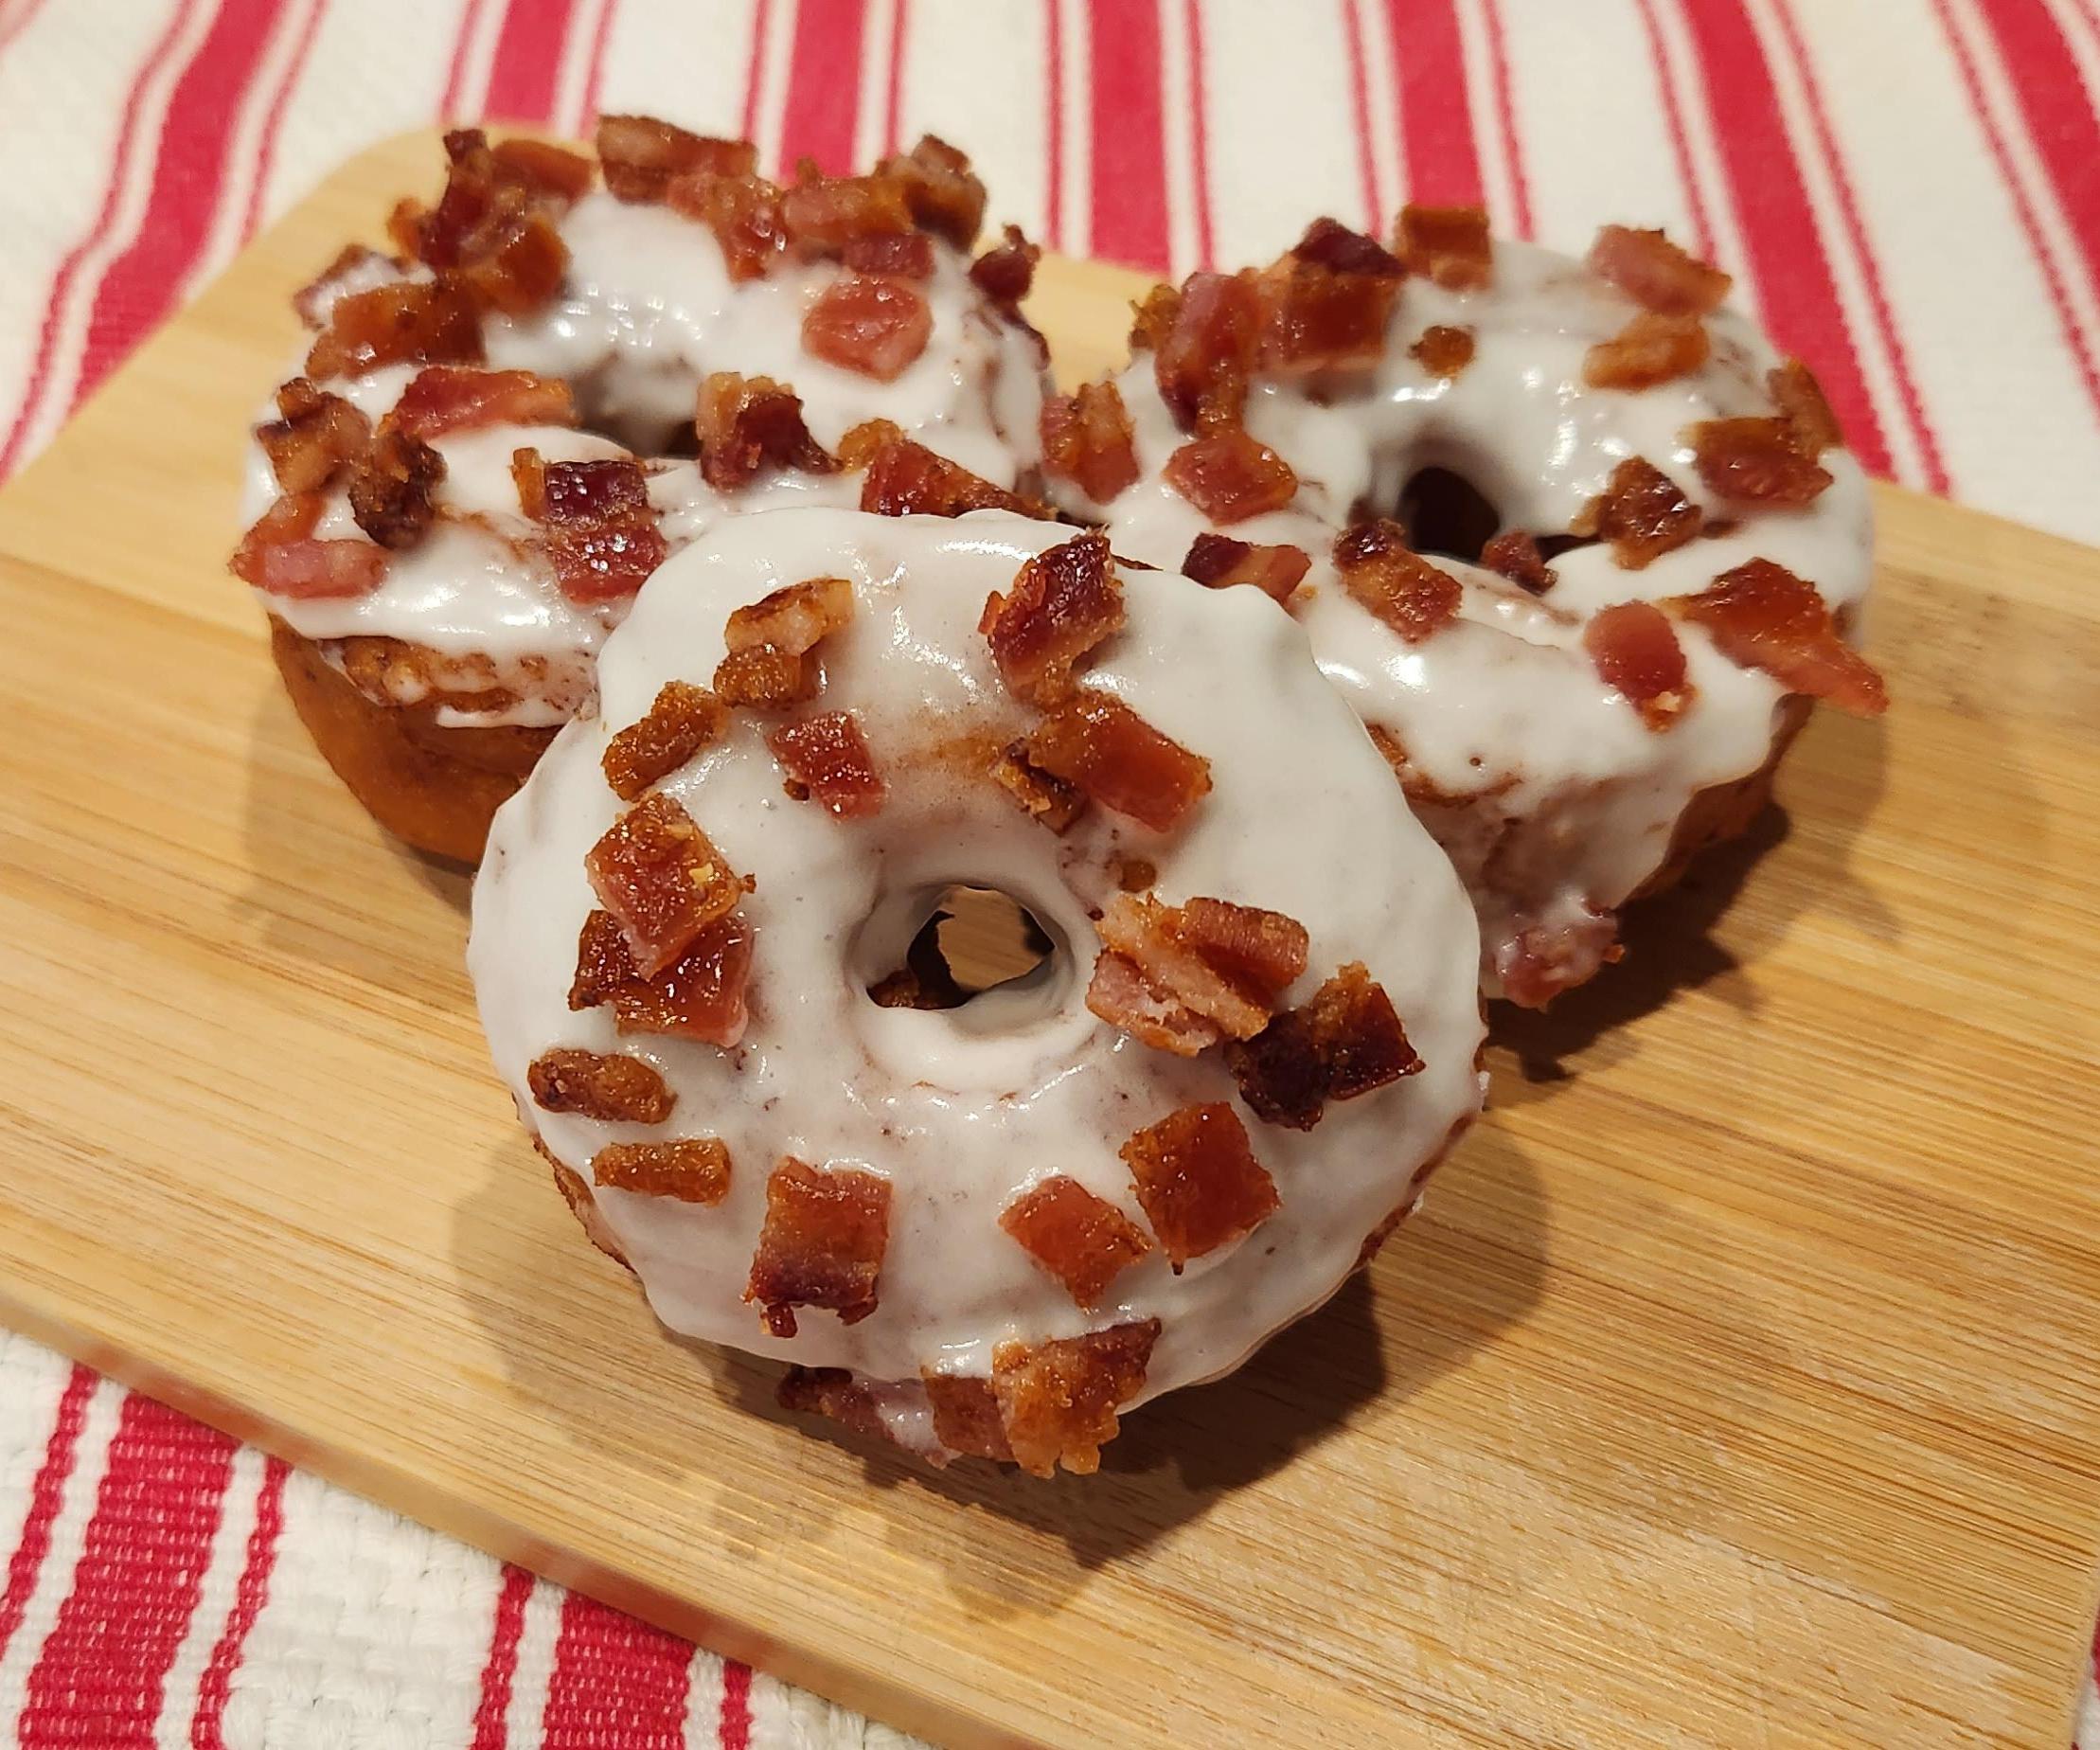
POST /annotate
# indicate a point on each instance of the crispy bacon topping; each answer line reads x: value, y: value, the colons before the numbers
x: 770, y: 665
x: 863, y: 442
x: 744, y: 213
x: 601, y: 533
x: 1102, y: 748
x: 1810, y: 420
x: 1198, y: 1181
x: 827, y: 761
x: 681, y: 721
x: 1346, y: 1042
x: 1089, y: 439
x: 766, y: 679
x: 966, y: 1415
x: 1122, y: 995
x: 1315, y: 319
x: 1006, y: 273
x: 1084, y: 1240
x: 552, y: 171
x: 1763, y: 617
x: 616, y: 1088
x: 693, y: 1169
x: 313, y: 299
x: 907, y: 479
x: 940, y: 190
x: 1153, y: 317
x: 1655, y: 273
x: 1641, y: 513
x: 318, y: 436
x: 874, y: 327
x: 1449, y: 244
x: 643, y: 155
x: 662, y: 880
x: 1218, y: 562
x: 1442, y: 351
x: 1395, y: 584
x: 1331, y: 244
x: 414, y: 322
x: 1208, y: 337
x: 1050, y: 800
x: 1057, y: 1399
x: 391, y: 489
x: 822, y: 214
x: 701, y: 995
x: 1755, y: 462
x: 493, y: 233
x: 453, y: 398
x: 1636, y: 653
x: 1649, y: 349
x: 838, y: 1395
x: 821, y: 1244
x: 747, y: 424
x: 280, y: 557
x: 1064, y: 602
x: 1514, y: 555
x: 1224, y: 963
x: 1229, y: 476
x: 1541, y: 960
x: 893, y: 255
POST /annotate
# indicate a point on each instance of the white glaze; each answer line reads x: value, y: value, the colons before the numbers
x: 963, y: 1109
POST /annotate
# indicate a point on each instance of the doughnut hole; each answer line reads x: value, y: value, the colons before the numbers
x: 973, y: 940
x: 1445, y: 516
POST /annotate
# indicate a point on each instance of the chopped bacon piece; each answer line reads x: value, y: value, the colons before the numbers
x: 662, y: 879
x: 1754, y: 461
x: 681, y: 721
x: 838, y: 1395
x: 1331, y: 244
x: 1218, y: 562
x: 1152, y: 318
x: 391, y: 489
x: 1122, y: 995
x: 766, y: 679
x: 693, y: 1169
x: 1089, y: 439
x: 1064, y: 602
x: 453, y: 398
x: 1641, y: 513
x: 317, y: 434
x: 863, y: 442
x: 1005, y: 273
x: 894, y: 255
x: 602, y: 538
x: 821, y: 1244
x: 1050, y: 800
x: 415, y: 322
x: 355, y: 262
x: 1198, y: 1181
x: 1224, y: 962
x: 827, y: 761
x: 641, y: 155
x: 875, y: 326
x: 744, y: 214
x: 1084, y: 1240
x: 550, y: 169
x: 1541, y: 960
x: 1810, y: 420
x: 1762, y: 616
x: 795, y: 618
x: 1449, y: 244
x: 1442, y: 351
x: 700, y: 996
x: 907, y: 479
x: 492, y: 233
x: 609, y: 1087
x: 1345, y: 1042
x: 1514, y: 555
x: 1314, y: 319
x: 1401, y: 588
x: 746, y: 424
x: 1206, y: 352
x: 1649, y: 349
x: 822, y: 214
x: 280, y: 557
x: 1655, y: 273
x: 1229, y: 476
x: 1636, y: 653
x: 942, y: 193
x: 1097, y: 743
x: 517, y: 265
x: 1057, y: 1399
x: 966, y: 1415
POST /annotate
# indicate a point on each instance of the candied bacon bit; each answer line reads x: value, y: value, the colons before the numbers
x: 641, y: 155
x: 1315, y: 319
x: 415, y: 322
x: 744, y: 214
x: 1449, y: 244
x: 1761, y: 616
x: 1347, y: 1041
x: 1198, y: 1181
x: 1122, y: 995
x: 700, y: 996
x: 966, y: 1415
x: 391, y: 489
x: 453, y: 398
x: 1207, y: 354
x: 1229, y: 476
x: 942, y: 193
x: 863, y: 442
x: 1651, y: 348
x: 681, y: 721
x: 602, y: 538
x: 313, y: 299
x: 1089, y: 439
x: 550, y: 170
x: 1636, y: 653
x: 518, y: 266
x: 280, y: 557
x: 609, y: 1087
x: 1442, y: 351
x: 907, y: 479
x: 1097, y: 743
x: 838, y: 1395
x: 1641, y: 513
x: 494, y: 230
x: 874, y: 327
x: 1084, y: 1240
x: 795, y: 617
x: 1003, y: 274
x: 745, y: 424
x: 662, y: 879
x: 1057, y: 1399
x: 317, y: 434
x: 1050, y: 800
x: 1397, y: 585
x: 827, y: 761
x: 1514, y: 555
x: 1064, y: 602
x: 1655, y: 273
x: 821, y: 1244
x: 1218, y: 562
x: 821, y: 214
x: 1224, y: 962
x: 1153, y: 317
x: 1541, y: 960
x: 1810, y: 420
x: 1754, y: 461
x: 766, y: 679
x: 1331, y: 244
x: 692, y: 1169
x: 1259, y: 952
x: 895, y: 255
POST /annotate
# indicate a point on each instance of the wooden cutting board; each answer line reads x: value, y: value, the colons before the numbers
x: 1740, y: 1380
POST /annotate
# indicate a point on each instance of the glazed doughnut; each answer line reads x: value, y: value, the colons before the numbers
x: 1648, y: 547
x: 978, y: 1229
x: 498, y: 432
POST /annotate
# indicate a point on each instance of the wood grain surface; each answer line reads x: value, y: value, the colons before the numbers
x: 1739, y: 1382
